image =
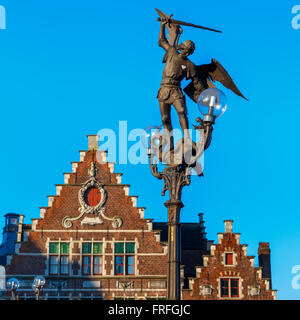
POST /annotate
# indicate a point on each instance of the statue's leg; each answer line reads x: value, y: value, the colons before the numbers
x: 180, y: 107
x: 165, y: 110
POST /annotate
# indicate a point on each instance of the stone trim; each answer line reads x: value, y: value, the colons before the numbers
x: 67, y: 177
x: 51, y: 200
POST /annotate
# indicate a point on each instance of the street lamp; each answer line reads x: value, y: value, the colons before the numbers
x: 211, y: 104
x: 37, y: 286
x: 13, y: 285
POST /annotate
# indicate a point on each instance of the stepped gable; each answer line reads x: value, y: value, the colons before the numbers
x: 70, y: 217
x: 228, y: 260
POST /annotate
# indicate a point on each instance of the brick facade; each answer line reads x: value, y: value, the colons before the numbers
x: 229, y: 273
x: 148, y: 262
x: 93, y: 242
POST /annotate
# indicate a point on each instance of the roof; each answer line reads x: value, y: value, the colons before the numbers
x: 15, y: 215
x: 193, y: 235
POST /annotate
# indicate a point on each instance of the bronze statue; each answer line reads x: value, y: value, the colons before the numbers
x: 178, y: 163
x: 177, y: 67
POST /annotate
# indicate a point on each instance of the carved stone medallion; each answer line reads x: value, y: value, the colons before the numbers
x: 92, y: 197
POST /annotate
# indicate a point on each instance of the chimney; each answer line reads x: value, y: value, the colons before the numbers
x: 264, y: 260
x: 20, y: 228
x: 228, y: 226
x: 93, y: 142
x: 200, y: 215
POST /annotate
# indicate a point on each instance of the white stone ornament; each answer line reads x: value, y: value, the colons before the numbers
x: 253, y: 290
x: 85, y: 208
x: 92, y: 221
x: 205, y: 290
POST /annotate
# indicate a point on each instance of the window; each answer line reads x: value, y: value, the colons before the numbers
x: 119, y: 265
x: 13, y: 220
x: 92, y: 258
x: 124, y: 258
x: 229, y: 288
x: 234, y: 288
x: 87, y: 266
x: 229, y: 259
x: 64, y: 265
x: 129, y: 265
x: 53, y: 264
x: 59, y: 258
x: 97, y: 264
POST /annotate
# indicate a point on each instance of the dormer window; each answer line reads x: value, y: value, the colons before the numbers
x: 13, y: 221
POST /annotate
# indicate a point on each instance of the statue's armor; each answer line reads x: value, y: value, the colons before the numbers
x: 175, y: 70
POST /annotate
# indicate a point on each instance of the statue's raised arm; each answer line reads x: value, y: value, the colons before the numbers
x: 174, y: 31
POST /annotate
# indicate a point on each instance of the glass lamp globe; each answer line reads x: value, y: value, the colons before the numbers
x: 38, y: 281
x: 148, y: 134
x: 13, y: 283
x: 212, y: 103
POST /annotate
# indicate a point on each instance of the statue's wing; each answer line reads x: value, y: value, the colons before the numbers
x: 218, y: 73
x: 209, y: 73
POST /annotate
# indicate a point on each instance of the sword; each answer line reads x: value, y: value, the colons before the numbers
x: 183, y: 23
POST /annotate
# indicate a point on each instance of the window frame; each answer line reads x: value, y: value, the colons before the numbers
x: 100, y: 265
x: 125, y: 255
x: 118, y: 264
x: 127, y: 265
x: 92, y: 255
x: 84, y: 257
x: 237, y: 287
x: 228, y: 254
x: 59, y: 255
x: 51, y: 265
x: 230, y: 287
x: 221, y: 287
x: 62, y: 265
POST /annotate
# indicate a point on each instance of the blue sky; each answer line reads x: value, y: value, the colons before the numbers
x: 71, y: 68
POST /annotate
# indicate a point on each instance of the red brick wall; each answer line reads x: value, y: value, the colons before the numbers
x: 134, y: 228
x: 215, y: 269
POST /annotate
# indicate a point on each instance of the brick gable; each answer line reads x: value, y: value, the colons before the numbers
x: 150, y: 256
x: 207, y: 283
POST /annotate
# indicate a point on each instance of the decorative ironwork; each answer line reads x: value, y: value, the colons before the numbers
x: 176, y: 174
x: 179, y: 162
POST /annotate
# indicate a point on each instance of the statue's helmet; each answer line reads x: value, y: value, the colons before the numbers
x: 188, y: 44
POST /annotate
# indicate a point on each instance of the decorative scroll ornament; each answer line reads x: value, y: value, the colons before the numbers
x: 86, y: 208
x: 125, y: 284
x: 92, y: 221
x: 253, y: 290
x: 205, y: 290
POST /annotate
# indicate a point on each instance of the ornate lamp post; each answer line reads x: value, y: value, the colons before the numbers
x: 13, y: 285
x: 176, y: 174
x: 37, y: 286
